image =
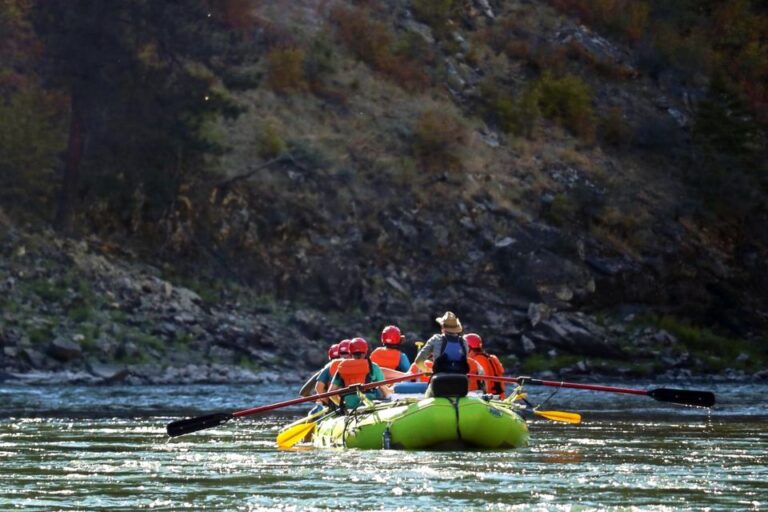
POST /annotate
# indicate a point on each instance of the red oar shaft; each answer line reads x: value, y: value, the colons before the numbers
x: 676, y: 396
x: 559, y: 384
x: 348, y: 389
x: 189, y: 425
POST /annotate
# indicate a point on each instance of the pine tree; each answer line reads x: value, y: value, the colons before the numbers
x: 143, y: 84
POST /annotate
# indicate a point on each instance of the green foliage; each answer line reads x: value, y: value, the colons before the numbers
x: 536, y: 363
x: 143, y: 78
x: 40, y: 335
x: 81, y: 313
x: 31, y: 138
x: 707, y: 344
x: 47, y: 290
x: 730, y: 169
x: 146, y: 340
x: 567, y: 101
x: 270, y: 143
x: 319, y: 62
x: 518, y: 115
x: 561, y: 210
x: 247, y: 363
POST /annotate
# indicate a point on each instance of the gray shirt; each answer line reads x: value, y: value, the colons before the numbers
x: 434, y: 347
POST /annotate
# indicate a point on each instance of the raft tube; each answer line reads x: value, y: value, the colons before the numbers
x: 432, y: 423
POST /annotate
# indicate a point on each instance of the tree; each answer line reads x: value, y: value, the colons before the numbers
x: 143, y: 84
x: 730, y: 153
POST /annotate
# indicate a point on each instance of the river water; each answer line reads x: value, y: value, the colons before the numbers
x: 105, y: 448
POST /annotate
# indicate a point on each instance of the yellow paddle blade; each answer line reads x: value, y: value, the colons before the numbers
x: 294, y: 434
x: 565, y: 417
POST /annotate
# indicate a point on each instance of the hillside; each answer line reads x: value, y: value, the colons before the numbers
x: 530, y: 165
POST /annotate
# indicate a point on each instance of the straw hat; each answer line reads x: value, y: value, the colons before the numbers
x: 450, y: 323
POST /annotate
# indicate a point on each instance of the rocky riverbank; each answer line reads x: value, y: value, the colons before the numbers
x: 86, y: 311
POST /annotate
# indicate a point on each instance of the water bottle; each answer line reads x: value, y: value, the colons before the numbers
x: 386, y: 439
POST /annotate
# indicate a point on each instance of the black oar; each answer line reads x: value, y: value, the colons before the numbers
x: 675, y: 396
x: 189, y: 425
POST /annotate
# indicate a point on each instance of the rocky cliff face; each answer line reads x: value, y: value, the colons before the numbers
x: 89, y: 312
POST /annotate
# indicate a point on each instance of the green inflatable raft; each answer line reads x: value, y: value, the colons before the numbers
x: 467, y: 422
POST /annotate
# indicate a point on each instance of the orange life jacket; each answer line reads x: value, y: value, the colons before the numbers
x: 333, y: 365
x: 415, y: 369
x: 474, y: 367
x: 491, y: 366
x: 386, y: 357
x: 353, y: 371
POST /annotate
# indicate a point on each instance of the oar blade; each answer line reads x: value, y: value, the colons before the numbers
x: 292, y: 435
x: 683, y: 397
x: 189, y: 425
x: 561, y: 416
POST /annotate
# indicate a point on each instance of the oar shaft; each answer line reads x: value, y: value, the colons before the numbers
x: 342, y: 391
x: 189, y: 425
x: 675, y: 396
x: 560, y: 384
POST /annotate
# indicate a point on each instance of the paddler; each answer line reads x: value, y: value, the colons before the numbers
x: 329, y: 370
x: 489, y: 362
x: 358, y: 370
x: 389, y: 355
x: 448, y: 349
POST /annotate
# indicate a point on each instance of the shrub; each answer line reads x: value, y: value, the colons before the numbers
x: 548, y: 58
x: 567, y: 101
x: 270, y: 143
x: 285, y: 70
x: 435, y: 13
x: 519, y: 115
x: 319, y: 62
x: 703, y: 341
x: 437, y: 140
x: 369, y: 40
x: 32, y: 134
x: 613, y: 129
x: 373, y: 43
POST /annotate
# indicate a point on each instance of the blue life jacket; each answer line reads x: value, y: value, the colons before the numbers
x: 452, y: 357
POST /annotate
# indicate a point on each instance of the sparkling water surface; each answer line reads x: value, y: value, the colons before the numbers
x: 105, y: 448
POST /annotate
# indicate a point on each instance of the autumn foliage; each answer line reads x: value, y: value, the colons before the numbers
x: 373, y: 43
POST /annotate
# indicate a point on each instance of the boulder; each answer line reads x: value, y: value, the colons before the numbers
x: 33, y: 357
x: 64, y: 350
x: 108, y: 373
x: 574, y: 334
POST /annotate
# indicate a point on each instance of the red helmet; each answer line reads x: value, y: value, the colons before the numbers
x: 333, y: 351
x: 390, y: 335
x: 344, y: 347
x: 358, y: 346
x: 473, y: 340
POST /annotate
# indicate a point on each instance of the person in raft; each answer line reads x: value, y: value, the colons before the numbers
x: 474, y: 367
x: 329, y: 370
x: 489, y: 362
x: 448, y: 349
x: 390, y: 356
x: 358, y: 370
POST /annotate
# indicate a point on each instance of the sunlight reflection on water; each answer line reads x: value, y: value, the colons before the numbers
x: 69, y: 461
